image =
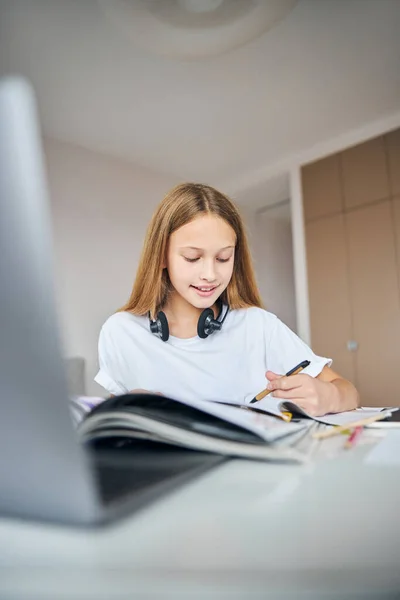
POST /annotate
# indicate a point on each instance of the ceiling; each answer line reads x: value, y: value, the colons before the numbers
x: 329, y: 66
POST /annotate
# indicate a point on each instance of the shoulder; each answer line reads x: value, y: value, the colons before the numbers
x: 253, y: 317
x: 258, y: 321
x: 124, y: 322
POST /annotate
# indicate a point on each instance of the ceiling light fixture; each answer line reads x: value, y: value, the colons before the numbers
x: 194, y: 29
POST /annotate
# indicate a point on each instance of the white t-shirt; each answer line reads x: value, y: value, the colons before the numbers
x: 230, y: 364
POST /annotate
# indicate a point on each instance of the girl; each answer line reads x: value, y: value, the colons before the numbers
x: 194, y: 326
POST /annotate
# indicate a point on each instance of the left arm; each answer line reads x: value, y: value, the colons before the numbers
x: 326, y: 393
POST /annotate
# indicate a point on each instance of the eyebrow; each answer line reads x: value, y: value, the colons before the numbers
x: 200, y: 249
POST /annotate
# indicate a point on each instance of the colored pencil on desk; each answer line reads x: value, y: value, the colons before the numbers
x: 340, y: 428
x: 354, y: 437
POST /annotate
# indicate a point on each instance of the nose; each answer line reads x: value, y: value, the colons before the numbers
x: 208, y: 270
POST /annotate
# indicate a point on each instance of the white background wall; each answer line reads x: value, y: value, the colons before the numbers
x: 273, y: 257
x: 101, y: 207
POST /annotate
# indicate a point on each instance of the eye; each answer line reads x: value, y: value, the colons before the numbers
x: 192, y: 260
x: 223, y: 260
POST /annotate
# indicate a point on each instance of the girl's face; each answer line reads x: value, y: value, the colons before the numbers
x: 200, y: 259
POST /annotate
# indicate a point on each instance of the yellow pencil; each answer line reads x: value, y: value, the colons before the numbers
x: 340, y: 428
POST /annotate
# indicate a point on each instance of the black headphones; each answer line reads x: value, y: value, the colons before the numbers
x: 206, y: 324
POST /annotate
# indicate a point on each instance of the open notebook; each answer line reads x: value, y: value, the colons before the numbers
x: 278, y: 407
x: 199, y: 425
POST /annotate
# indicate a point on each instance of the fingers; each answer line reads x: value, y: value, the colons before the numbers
x: 271, y: 376
x: 140, y: 391
x: 300, y: 389
x: 289, y: 383
x: 311, y: 407
x: 292, y: 395
x: 305, y: 391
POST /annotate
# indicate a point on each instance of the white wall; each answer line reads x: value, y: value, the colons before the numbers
x: 272, y: 248
x: 300, y: 257
x: 101, y: 207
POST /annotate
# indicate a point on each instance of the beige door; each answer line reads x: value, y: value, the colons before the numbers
x: 330, y: 314
x: 352, y: 214
x: 365, y: 173
x: 396, y: 209
x: 375, y: 302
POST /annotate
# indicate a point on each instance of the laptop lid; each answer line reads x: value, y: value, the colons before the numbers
x: 44, y: 472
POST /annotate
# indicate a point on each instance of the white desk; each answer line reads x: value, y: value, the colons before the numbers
x: 245, y: 530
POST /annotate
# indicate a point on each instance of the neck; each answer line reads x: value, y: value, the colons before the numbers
x: 183, y: 316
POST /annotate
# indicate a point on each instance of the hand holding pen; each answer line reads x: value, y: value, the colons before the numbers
x: 312, y: 394
x: 316, y: 395
x: 273, y: 377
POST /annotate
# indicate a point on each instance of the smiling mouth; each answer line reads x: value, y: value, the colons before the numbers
x: 204, y: 289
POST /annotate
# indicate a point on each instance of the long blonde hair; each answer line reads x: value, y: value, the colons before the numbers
x: 181, y: 205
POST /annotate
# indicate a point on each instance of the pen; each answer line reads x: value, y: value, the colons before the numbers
x: 293, y: 371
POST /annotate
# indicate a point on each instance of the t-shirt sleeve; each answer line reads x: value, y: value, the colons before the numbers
x: 106, y: 376
x: 286, y: 350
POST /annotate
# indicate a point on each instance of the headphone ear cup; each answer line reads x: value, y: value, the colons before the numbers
x: 163, y: 327
x: 204, y: 321
x: 160, y: 326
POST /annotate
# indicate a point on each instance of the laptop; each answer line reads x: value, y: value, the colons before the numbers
x: 46, y: 474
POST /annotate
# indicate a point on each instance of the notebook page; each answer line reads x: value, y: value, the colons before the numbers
x: 276, y: 405
x: 268, y: 428
x: 271, y: 405
x: 348, y: 416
